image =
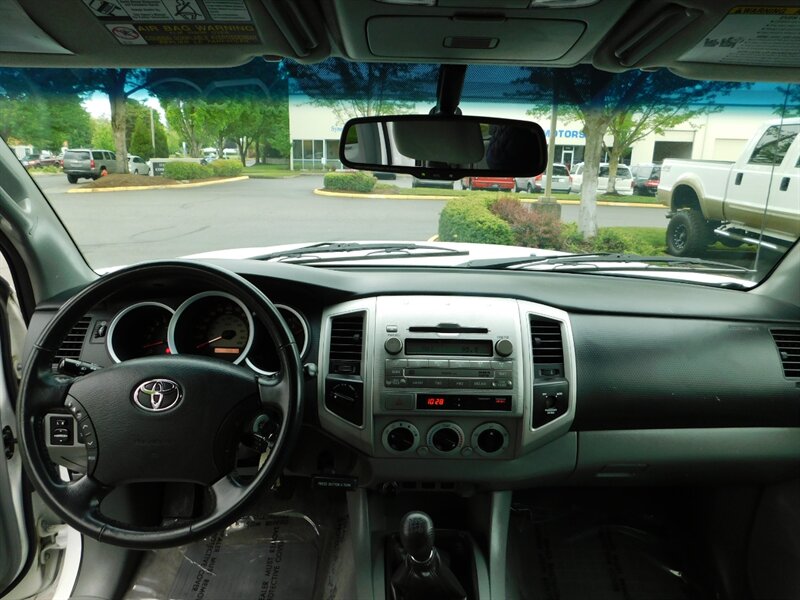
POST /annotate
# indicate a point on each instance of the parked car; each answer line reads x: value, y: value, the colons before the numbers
x: 754, y: 199
x: 89, y: 163
x: 230, y: 153
x: 137, y: 165
x: 432, y: 183
x: 489, y: 183
x: 623, y: 185
x: 30, y: 161
x: 561, y: 181
x: 646, y: 178
x: 210, y: 154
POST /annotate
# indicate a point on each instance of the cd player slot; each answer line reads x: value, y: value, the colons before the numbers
x: 446, y: 328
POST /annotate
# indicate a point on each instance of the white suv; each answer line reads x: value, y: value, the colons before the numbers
x: 623, y: 185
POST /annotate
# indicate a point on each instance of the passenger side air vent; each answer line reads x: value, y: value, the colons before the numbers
x: 788, y: 342
x: 550, y: 388
x: 548, y: 347
x: 73, y: 342
x: 347, y: 344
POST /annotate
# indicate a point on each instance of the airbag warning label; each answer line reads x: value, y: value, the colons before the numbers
x: 752, y: 35
x: 184, y: 34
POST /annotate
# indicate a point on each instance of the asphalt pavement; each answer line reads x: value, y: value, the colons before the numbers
x: 115, y: 228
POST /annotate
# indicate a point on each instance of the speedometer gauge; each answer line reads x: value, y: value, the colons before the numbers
x: 139, y: 330
x: 212, y: 324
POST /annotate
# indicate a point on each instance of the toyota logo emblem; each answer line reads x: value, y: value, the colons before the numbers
x: 157, y: 395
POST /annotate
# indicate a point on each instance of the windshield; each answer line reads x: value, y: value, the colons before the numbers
x: 246, y: 159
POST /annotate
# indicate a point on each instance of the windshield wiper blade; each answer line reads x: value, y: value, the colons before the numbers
x: 589, y: 262
x: 311, y: 253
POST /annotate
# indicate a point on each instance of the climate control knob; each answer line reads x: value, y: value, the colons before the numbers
x: 400, y: 437
x: 445, y: 438
x: 490, y: 439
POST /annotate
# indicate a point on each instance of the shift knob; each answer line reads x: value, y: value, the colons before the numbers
x: 416, y: 535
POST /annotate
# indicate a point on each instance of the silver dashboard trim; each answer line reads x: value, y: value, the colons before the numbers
x: 118, y: 317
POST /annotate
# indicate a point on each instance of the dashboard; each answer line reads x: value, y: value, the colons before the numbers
x: 490, y: 379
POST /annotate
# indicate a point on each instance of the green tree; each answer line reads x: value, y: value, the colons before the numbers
x: 364, y: 89
x: 67, y: 122
x: 181, y: 120
x: 142, y: 140
x: 102, y: 135
x: 595, y: 98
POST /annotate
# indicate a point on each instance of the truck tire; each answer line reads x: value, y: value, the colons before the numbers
x: 72, y: 178
x: 687, y: 233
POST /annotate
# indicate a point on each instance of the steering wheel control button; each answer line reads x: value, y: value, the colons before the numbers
x: 400, y: 437
x: 550, y: 401
x: 490, y: 439
x: 75, y: 408
x: 157, y: 395
x: 62, y: 431
x: 445, y: 438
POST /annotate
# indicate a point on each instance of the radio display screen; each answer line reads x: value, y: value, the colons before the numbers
x: 415, y: 347
x: 462, y: 402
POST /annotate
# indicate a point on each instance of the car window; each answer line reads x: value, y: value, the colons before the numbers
x: 72, y: 155
x: 603, y: 172
x: 774, y: 144
x: 655, y: 173
x: 560, y: 170
x: 623, y: 171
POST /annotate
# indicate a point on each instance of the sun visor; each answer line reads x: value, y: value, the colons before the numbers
x: 472, y: 38
x: 21, y: 34
x: 455, y: 144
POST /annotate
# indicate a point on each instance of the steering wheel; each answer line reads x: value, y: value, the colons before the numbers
x: 172, y: 418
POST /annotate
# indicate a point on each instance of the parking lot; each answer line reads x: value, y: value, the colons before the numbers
x: 111, y: 230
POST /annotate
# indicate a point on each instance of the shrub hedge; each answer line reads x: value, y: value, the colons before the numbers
x: 226, y: 168
x: 349, y: 182
x: 187, y: 170
x: 470, y: 220
x: 505, y: 220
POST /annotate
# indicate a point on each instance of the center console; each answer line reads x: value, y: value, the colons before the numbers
x: 445, y: 377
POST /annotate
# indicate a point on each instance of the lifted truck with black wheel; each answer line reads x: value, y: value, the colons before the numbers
x: 755, y: 199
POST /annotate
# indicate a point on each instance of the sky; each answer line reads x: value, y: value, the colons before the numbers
x: 98, y: 106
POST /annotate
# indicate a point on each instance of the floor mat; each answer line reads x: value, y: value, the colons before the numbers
x: 284, y: 554
x: 575, y: 553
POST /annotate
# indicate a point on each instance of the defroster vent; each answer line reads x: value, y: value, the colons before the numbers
x: 788, y: 342
x: 347, y: 344
x: 73, y: 342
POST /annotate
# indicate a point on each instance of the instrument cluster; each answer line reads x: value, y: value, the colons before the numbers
x: 210, y: 323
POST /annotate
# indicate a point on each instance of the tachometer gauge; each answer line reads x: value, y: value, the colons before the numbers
x: 212, y: 324
x: 263, y: 356
x: 139, y: 330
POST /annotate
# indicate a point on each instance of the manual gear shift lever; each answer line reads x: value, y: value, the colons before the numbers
x: 416, y: 535
x: 423, y: 575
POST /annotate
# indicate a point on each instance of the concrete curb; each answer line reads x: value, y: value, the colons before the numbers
x: 131, y: 188
x: 321, y: 192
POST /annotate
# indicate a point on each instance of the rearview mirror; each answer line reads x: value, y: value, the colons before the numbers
x: 444, y: 147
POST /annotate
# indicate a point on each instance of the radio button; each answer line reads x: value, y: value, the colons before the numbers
x: 416, y: 382
x: 462, y: 364
x: 398, y: 401
x: 502, y: 364
x: 504, y: 347
x: 481, y: 384
x: 393, y: 345
x: 439, y: 364
x: 392, y: 363
x: 481, y: 364
x: 506, y: 374
x: 394, y: 372
x: 414, y: 363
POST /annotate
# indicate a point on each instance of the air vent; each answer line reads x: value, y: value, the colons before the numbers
x: 73, y: 342
x: 788, y: 342
x: 546, y: 340
x: 347, y: 344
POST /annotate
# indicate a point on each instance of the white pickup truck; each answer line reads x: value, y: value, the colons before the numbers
x: 755, y: 199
